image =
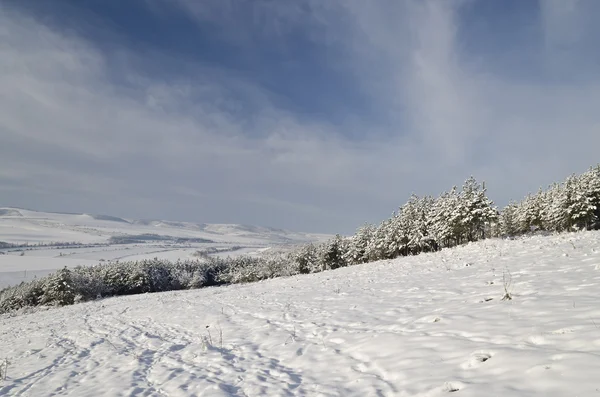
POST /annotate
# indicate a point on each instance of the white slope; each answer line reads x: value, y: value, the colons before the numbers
x: 19, y: 226
x: 419, y: 326
x: 15, y: 269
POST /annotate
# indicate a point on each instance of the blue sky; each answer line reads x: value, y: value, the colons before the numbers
x: 308, y: 115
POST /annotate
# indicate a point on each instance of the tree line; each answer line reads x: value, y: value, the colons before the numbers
x: 422, y: 224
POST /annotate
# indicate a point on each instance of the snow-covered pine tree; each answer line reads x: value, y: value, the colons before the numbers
x: 508, y: 220
x: 456, y: 217
x: 426, y: 241
x: 331, y: 254
x: 58, y: 289
x: 477, y: 210
x: 306, y: 259
x: 546, y: 200
x: 415, y: 225
x: 585, y: 200
x: 375, y: 248
x: 408, y: 243
x: 592, y: 180
x: 357, y: 246
x: 397, y: 236
x: 529, y: 214
x: 392, y: 237
x: 439, y: 221
x: 562, y: 202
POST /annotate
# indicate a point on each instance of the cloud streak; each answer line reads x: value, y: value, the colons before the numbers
x: 100, y: 129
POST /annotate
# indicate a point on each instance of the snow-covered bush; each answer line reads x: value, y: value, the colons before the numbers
x: 81, y: 283
x: 304, y: 260
x: 331, y: 254
x: 58, y: 289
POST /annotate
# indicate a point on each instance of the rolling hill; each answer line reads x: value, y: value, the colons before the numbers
x: 34, y: 243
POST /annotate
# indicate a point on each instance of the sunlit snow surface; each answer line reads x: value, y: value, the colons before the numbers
x: 419, y: 326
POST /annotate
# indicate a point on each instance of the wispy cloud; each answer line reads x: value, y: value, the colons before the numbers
x: 93, y: 123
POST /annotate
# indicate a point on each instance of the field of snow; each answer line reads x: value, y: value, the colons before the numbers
x: 21, y: 226
x: 418, y: 326
x: 94, y: 233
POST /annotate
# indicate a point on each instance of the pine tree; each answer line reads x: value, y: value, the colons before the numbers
x: 415, y: 223
x: 59, y: 289
x: 546, y: 200
x: 593, y: 192
x: 455, y: 217
x: 440, y: 226
x: 382, y: 244
x: 477, y: 210
x: 358, y: 245
x: 508, y: 220
x: 562, y: 205
x: 392, y: 237
x: 306, y: 259
x: 331, y: 255
x: 423, y: 236
x: 584, y: 209
x: 529, y: 214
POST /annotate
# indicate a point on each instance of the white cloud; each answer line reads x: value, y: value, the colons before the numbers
x: 70, y: 129
x: 218, y: 148
x: 517, y: 134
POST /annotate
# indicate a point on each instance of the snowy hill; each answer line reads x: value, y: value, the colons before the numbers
x: 50, y: 241
x: 20, y: 225
x: 424, y: 325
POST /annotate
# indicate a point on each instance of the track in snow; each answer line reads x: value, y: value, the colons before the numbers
x: 418, y: 326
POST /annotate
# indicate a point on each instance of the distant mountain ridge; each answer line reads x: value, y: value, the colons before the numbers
x: 108, y: 226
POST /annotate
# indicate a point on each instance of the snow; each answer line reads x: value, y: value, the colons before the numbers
x: 14, y: 269
x: 19, y: 226
x: 416, y: 326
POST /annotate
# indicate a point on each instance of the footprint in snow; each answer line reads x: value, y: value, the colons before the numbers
x: 453, y: 387
x: 476, y: 360
x: 536, y: 340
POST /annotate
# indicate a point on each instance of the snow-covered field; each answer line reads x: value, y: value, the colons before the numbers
x: 419, y: 326
x: 94, y: 233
